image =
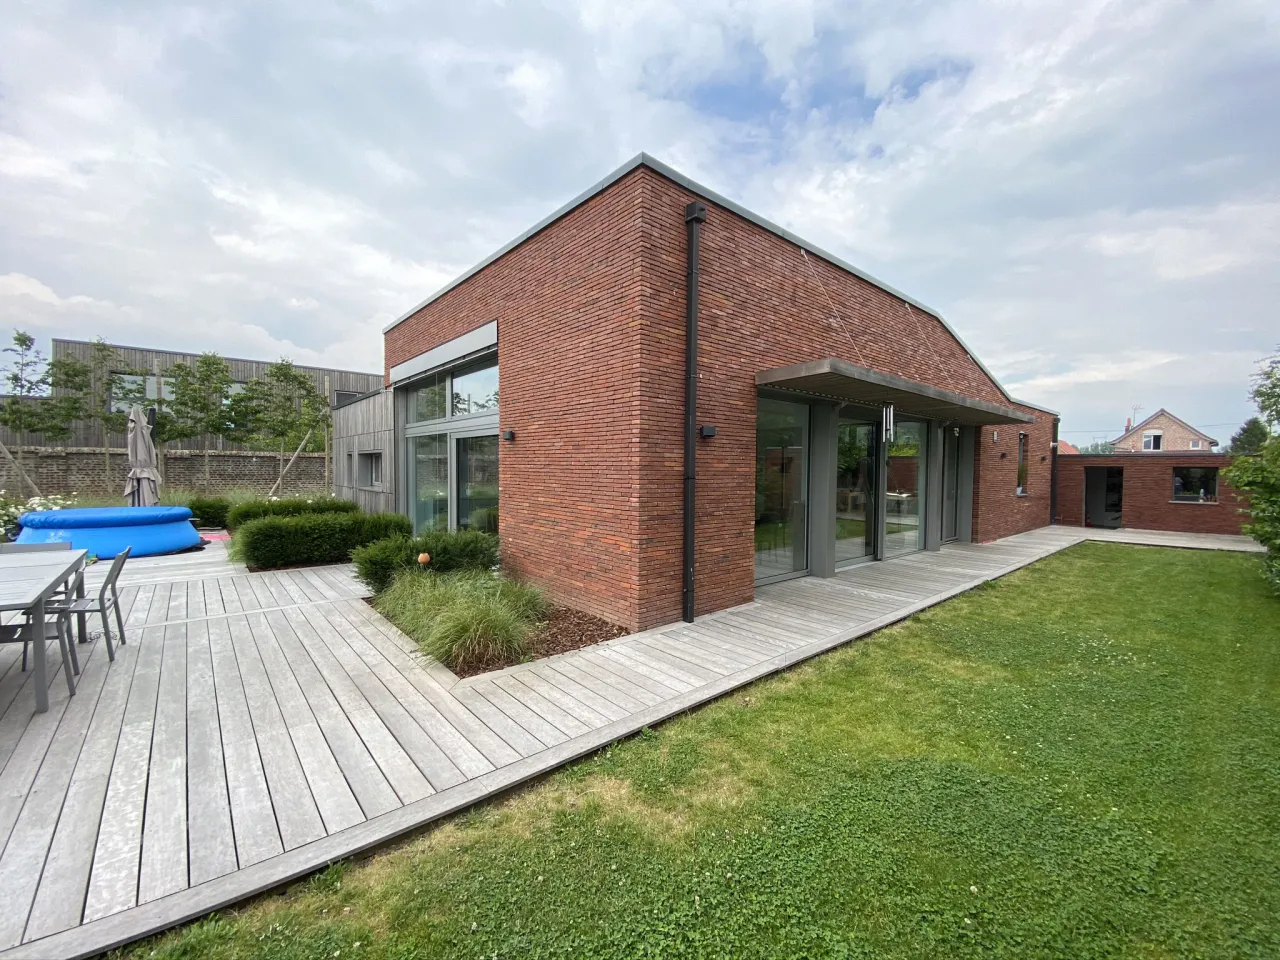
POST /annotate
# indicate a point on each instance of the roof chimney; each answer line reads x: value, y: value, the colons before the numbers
x: 1128, y: 424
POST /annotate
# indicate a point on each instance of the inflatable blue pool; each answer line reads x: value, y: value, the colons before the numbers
x: 105, y: 531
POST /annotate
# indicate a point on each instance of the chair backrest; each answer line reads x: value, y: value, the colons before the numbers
x: 33, y: 547
x: 113, y: 574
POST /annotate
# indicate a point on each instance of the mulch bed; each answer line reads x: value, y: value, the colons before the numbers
x: 564, y: 630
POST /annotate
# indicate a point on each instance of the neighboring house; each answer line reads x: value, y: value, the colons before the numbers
x: 836, y: 420
x: 1064, y: 447
x: 148, y: 367
x: 1162, y: 431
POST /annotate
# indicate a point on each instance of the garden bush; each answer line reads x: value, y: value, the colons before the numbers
x: 468, y: 620
x: 285, y: 507
x: 378, y: 563
x: 209, y: 511
x: 274, y: 541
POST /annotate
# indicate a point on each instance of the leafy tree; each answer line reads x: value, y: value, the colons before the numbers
x: 1098, y: 448
x: 201, y: 392
x: 281, y: 409
x: 1248, y: 440
x: 1258, y: 475
x: 28, y: 408
x: 94, y: 391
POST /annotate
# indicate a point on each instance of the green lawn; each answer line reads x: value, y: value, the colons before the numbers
x: 1081, y: 760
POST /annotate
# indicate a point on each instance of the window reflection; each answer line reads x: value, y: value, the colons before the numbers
x: 476, y: 391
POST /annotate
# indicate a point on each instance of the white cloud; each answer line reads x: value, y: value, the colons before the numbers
x: 1086, y: 189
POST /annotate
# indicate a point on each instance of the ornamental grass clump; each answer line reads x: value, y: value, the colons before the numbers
x: 469, y: 621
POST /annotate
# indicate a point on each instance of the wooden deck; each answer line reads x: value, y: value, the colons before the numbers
x: 259, y: 726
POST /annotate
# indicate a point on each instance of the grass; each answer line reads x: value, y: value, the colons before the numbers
x: 467, y: 620
x: 1078, y: 761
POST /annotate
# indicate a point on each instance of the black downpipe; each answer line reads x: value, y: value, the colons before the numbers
x: 695, y: 214
x: 1053, y: 474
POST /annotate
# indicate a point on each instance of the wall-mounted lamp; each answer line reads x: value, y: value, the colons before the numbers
x: 508, y: 435
x: 1043, y: 459
x: 707, y: 431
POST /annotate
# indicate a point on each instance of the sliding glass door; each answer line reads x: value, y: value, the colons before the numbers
x: 477, y: 469
x: 905, y: 486
x: 856, y: 490
x: 429, y: 482
x: 782, y: 488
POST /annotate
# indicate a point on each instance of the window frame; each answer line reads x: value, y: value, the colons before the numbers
x: 446, y: 378
x: 1024, y: 468
x: 374, y: 477
x: 1196, y: 445
x: 1149, y: 438
x: 1210, y: 498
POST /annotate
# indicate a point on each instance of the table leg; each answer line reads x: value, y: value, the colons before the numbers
x: 41, y: 671
x: 81, y: 627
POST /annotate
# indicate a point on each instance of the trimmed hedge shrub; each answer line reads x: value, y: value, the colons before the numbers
x: 209, y: 511
x: 270, y: 542
x: 378, y: 563
x: 285, y: 507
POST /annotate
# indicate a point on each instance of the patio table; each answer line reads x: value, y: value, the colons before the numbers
x: 27, y: 580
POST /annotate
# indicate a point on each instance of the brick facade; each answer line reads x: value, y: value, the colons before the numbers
x: 998, y: 511
x: 591, y: 314
x: 1147, y: 501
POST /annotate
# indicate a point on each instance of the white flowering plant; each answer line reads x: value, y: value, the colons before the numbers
x: 12, y: 507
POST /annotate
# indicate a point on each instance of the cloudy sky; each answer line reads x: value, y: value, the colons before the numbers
x: 1089, y: 191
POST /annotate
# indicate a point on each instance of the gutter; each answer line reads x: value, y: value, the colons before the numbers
x: 695, y: 215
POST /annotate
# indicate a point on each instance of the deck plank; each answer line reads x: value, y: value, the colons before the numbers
x: 211, y: 839
x: 163, y: 869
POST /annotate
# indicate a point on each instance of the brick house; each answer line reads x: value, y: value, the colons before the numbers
x: 1162, y: 431
x: 1183, y: 491
x: 834, y: 420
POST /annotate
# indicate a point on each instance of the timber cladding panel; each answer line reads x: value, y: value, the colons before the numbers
x: 1147, y: 498
x: 591, y: 314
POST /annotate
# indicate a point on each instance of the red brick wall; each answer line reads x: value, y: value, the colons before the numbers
x: 998, y: 511
x: 760, y: 308
x: 590, y: 318
x: 566, y: 302
x: 1147, y: 502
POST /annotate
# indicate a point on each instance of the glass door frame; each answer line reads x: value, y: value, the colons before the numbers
x: 872, y: 416
x: 454, y: 437
x: 807, y: 531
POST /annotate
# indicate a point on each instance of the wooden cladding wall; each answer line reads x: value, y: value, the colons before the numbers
x: 364, y: 426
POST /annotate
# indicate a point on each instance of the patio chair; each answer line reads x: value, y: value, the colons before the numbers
x: 108, y: 599
x: 59, y: 625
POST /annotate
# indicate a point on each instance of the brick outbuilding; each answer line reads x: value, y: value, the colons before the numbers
x: 837, y: 420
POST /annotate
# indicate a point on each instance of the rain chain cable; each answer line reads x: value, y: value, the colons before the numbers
x: 832, y: 305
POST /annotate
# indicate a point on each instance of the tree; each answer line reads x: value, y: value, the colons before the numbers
x: 1248, y: 440
x: 282, y: 408
x: 200, y: 396
x: 1098, y: 448
x: 28, y: 408
x: 1258, y: 475
x: 97, y: 391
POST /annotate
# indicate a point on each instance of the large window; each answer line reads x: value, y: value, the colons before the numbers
x: 905, y: 484
x: 475, y: 391
x: 426, y: 402
x: 856, y: 454
x: 1152, y: 439
x: 478, y: 483
x: 782, y: 487
x: 1195, y: 484
x: 429, y: 481
x: 369, y: 466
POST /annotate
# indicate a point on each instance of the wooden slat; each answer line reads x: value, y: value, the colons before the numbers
x: 164, y: 836
x: 212, y: 848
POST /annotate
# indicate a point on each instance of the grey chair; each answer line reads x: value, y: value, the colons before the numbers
x: 33, y: 547
x: 108, y: 599
x: 60, y: 625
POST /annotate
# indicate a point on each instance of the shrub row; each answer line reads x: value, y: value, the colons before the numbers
x: 469, y: 621
x: 378, y: 563
x: 288, y: 541
x: 285, y: 507
x: 209, y: 511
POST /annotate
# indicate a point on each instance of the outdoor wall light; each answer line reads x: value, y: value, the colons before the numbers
x: 1004, y: 455
x: 707, y: 431
x: 508, y: 435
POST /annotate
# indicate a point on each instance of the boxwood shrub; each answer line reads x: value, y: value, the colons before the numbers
x: 285, y: 507
x: 270, y: 542
x: 378, y: 563
x: 209, y: 511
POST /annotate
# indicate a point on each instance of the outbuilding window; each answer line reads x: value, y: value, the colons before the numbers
x: 1195, y: 484
x: 1152, y: 439
x: 369, y: 466
x: 1022, y: 464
